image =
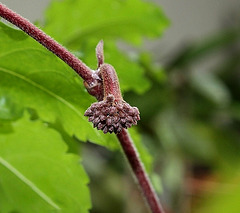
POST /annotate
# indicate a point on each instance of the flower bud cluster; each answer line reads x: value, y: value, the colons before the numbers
x: 112, y: 116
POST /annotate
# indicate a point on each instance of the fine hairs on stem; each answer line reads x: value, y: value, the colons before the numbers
x: 103, y: 84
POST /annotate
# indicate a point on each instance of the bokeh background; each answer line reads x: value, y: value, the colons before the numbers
x: 190, y: 115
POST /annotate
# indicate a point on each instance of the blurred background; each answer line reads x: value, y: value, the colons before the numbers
x: 190, y: 116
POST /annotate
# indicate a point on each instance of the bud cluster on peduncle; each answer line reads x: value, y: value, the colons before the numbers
x: 111, y: 113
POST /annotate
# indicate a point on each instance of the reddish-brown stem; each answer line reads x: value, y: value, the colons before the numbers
x: 110, y: 82
x: 139, y: 171
x: 84, y: 71
x: 91, y: 79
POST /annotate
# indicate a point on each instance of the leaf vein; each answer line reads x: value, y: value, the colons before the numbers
x: 29, y: 183
x: 48, y: 92
x: 43, y: 89
x: 21, y: 49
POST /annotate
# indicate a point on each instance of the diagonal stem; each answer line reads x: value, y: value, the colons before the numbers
x: 90, y: 78
x: 139, y: 171
x: 76, y: 64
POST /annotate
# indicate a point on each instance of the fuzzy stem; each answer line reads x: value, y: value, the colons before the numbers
x: 76, y: 64
x: 91, y: 79
x: 110, y: 82
x: 139, y: 171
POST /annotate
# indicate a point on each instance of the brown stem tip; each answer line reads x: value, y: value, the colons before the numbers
x: 99, y: 53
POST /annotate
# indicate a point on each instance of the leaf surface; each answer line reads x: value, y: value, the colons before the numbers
x: 36, y: 172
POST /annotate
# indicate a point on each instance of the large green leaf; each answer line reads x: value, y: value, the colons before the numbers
x: 80, y: 24
x: 34, y: 78
x: 75, y: 21
x: 36, y: 173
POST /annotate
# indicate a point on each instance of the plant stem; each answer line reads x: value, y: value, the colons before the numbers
x: 76, y: 64
x: 91, y: 78
x: 139, y: 171
x: 110, y: 82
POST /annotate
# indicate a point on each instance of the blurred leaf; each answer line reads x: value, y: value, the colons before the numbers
x: 235, y: 110
x: 36, y: 173
x: 73, y: 22
x: 174, y: 166
x: 151, y: 102
x: 225, y: 198
x: 154, y: 71
x: 203, y: 48
x: 144, y: 154
x: 177, y: 134
x: 157, y: 183
x: 211, y: 87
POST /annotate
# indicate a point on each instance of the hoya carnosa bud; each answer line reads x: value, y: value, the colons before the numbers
x: 111, y: 113
x: 111, y: 116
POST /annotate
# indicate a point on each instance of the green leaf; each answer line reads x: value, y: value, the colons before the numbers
x: 36, y: 173
x: 32, y: 77
x: 73, y: 22
x: 90, y: 21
